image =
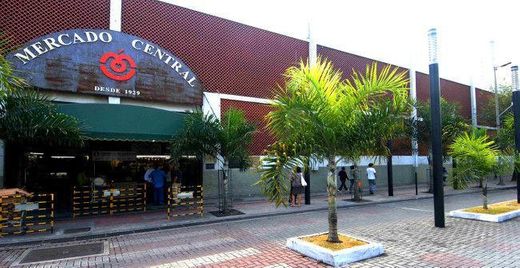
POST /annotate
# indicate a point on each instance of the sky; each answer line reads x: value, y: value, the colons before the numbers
x: 394, y: 31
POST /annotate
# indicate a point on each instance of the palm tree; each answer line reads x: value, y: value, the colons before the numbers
x: 317, y: 114
x: 453, y: 125
x: 227, y: 141
x: 476, y: 158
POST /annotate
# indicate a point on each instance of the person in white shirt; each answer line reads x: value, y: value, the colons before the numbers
x: 149, y: 171
x: 371, y: 175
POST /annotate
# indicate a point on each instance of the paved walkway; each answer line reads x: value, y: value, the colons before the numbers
x: 404, y: 228
x: 104, y: 226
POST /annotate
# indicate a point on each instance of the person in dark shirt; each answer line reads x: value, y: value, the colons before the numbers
x: 342, y: 174
x: 158, y: 177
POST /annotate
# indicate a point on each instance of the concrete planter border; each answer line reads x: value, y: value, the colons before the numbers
x: 335, y: 258
x: 484, y: 217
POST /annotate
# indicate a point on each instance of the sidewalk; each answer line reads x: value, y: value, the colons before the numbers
x: 106, y: 226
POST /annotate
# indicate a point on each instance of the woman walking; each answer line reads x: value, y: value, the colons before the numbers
x: 296, y: 187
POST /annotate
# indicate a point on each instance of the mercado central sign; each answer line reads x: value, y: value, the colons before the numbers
x: 107, y: 63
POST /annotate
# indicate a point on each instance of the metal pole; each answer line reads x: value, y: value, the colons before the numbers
x: 415, y: 145
x: 389, y: 170
x: 516, y: 112
x: 497, y: 109
x: 307, y: 177
x: 435, y: 99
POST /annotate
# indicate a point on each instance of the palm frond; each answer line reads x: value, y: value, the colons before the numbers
x: 476, y: 157
x: 275, y: 169
x: 199, y: 136
x: 27, y: 116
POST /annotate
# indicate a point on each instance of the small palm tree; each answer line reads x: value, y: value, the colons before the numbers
x: 318, y: 115
x: 476, y: 158
x: 227, y: 141
x: 453, y: 125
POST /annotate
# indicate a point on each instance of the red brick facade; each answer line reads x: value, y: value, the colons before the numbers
x: 228, y: 57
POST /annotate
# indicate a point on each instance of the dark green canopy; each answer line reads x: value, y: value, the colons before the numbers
x: 117, y: 122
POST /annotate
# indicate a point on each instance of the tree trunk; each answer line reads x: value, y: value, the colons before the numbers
x: 484, y: 196
x: 357, y: 189
x: 332, y: 189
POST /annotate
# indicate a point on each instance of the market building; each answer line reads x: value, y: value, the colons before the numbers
x: 129, y: 70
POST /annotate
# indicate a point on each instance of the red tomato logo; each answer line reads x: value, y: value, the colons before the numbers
x: 117, y: 66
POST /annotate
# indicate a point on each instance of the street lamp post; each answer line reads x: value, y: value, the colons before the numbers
x: 497, y: 108
x: 435, y: 99
x: 516, y: 112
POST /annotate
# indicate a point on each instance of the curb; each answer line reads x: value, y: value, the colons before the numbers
x: 240, y: 218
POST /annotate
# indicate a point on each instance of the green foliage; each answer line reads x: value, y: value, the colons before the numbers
x: 505, y: 97
x: 504, y: 165
x: 235, y: 136
x: 206, y: 135
x: 476, y: 157
x: 27, y: 117
x: 276, y: 167
x: 8, y: 79
x: 453, y: 124
x: 199, y: 137
x: 505, y: 138
x: 318, y: 114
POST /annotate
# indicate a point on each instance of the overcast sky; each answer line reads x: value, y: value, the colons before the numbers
x: 394, y: 31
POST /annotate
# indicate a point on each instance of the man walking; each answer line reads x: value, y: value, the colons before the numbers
x: 371, y: 175
x: 342, y: 178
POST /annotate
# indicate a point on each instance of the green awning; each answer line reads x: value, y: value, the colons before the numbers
x: 117, y: 122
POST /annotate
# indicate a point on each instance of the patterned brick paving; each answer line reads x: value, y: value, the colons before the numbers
x: 404, y: 228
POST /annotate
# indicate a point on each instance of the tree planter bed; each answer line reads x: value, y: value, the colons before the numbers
x: 491, y: 217
x: 336, y: 258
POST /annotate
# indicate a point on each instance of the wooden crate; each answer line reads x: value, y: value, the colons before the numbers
x: 181, y: 203
x: 23, y: 214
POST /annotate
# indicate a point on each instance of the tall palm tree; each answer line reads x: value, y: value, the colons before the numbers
x: 227, y: 141
x: 317, y: 114
x: 476, y: 158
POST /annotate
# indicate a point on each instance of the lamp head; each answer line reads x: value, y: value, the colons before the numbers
x: 514, y: 77
x: 432, y: 45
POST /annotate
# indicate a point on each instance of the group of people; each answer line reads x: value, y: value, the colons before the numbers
x: 343, y: 177
x: 157, y: 177
x: 298, y: 182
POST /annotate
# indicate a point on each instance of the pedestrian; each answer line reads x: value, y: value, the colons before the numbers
x: 352, y: 178
x: 149, y: 170
x: 342, y: 174
x: 296, y: 187
x: 148, y: 182
x: 371, y: 176
x: 158, y: 177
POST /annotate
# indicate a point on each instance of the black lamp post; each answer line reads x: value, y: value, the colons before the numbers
x: 516, y: 112
x: 435, y: 100
x: 389, y: 170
